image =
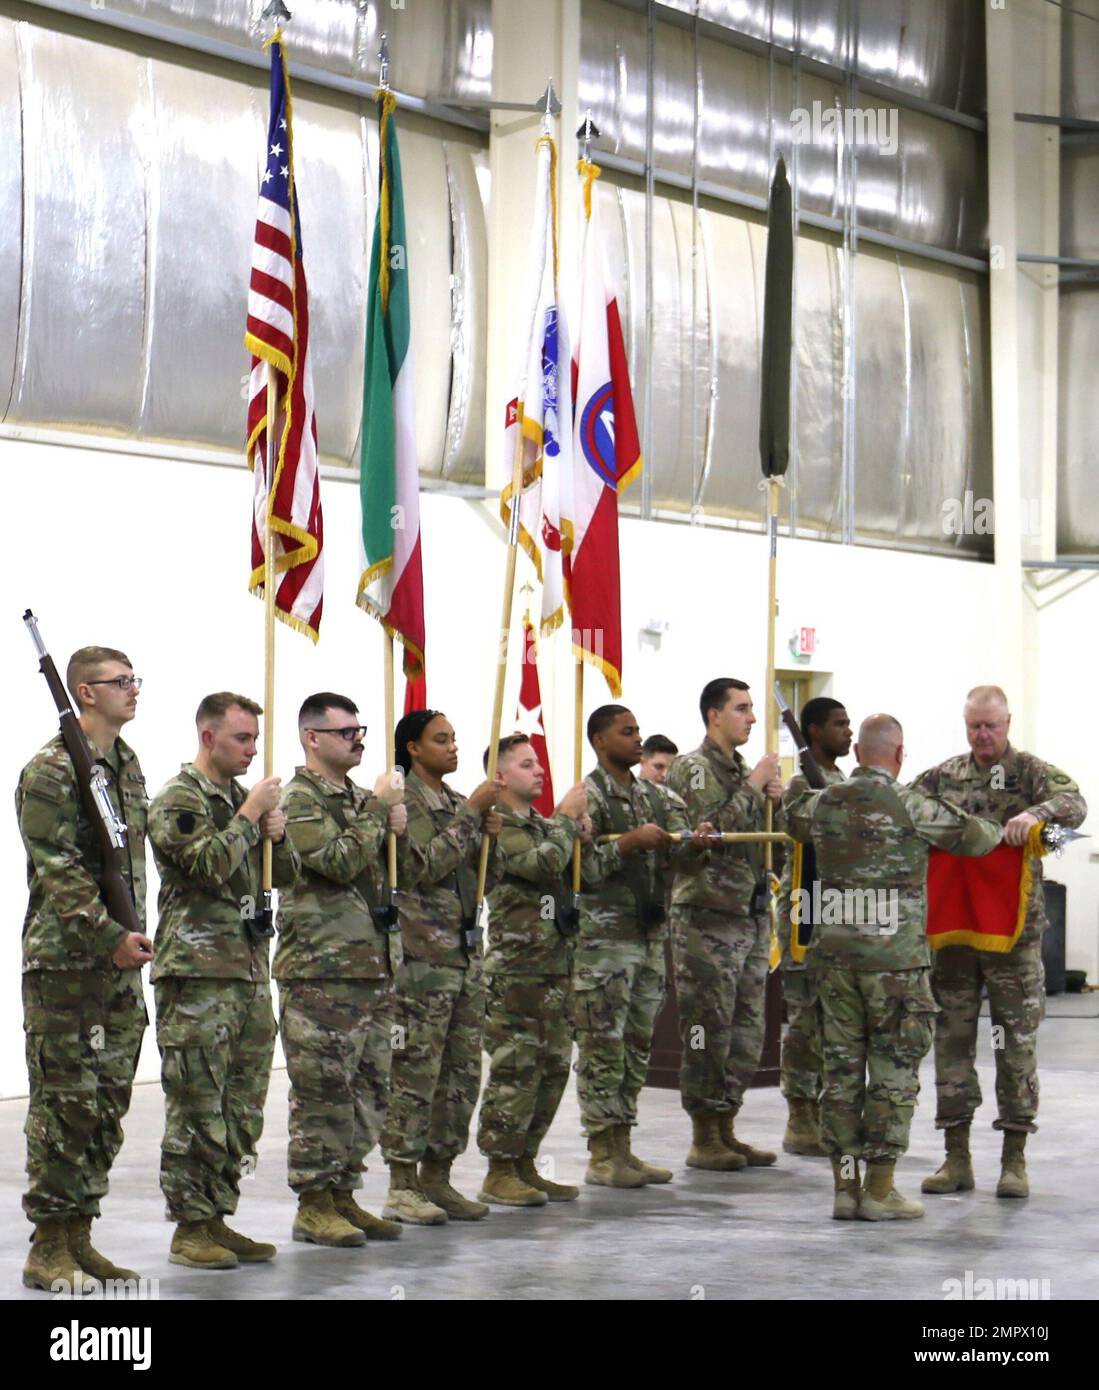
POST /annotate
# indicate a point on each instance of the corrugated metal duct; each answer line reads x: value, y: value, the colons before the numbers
x: 122, y: 305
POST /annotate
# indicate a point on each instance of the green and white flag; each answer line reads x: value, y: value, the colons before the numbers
x: 391, y: 586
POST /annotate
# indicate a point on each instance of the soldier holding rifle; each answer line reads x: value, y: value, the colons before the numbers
x: 82, y: 809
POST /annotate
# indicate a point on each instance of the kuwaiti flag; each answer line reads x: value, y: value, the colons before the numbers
x: 539, y: 417
x: 528, y: 718
x: 607, y: 455
x: 391, y: 586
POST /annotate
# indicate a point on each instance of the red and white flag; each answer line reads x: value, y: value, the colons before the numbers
x: 528, y: 719
x: 278, y: 336
x: 607, y: 458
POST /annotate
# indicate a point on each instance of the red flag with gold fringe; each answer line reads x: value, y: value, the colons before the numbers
x: 981, y: 902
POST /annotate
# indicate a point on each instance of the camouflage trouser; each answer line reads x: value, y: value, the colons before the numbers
x: 83, y: 1039
x: 720, y: 976
x: 800, y: 1075
x: 876, y: 1029
x: 216, y: 1040
x: 337, y: 1036
x: 1016, y: 999
x: 618, y: 990
x: 528, y: 1037
x: 436, y: 1074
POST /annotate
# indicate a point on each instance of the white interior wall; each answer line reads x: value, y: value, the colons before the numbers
x: 150, y: 555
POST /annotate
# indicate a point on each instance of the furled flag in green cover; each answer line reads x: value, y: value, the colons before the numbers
x: 778, y: 293
x: 391, y: 586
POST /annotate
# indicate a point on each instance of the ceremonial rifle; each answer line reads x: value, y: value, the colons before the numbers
x: 91, y: 778
x: 810, y: 768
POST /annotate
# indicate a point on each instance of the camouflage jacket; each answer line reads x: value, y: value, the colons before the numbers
x: 534, y: 858
x: 872, y: 838
x: 715, y: 788
x: 440, y: 888
x: 797, y: 790
x: 67, y: 926
x: 326, y: 929
x: 1018, y: 782
x: 616, y: 888
x: 210, y: 860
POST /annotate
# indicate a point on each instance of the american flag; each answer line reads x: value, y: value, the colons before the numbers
x: 278, y: 333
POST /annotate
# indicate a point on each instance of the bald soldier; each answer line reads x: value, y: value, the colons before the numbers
x: 872, y: 838
x: 1017, y: 790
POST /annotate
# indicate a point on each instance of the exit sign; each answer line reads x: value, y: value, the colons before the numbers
x: 807, y: 641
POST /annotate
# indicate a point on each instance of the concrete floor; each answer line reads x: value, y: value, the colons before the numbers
x: 760, y: 1234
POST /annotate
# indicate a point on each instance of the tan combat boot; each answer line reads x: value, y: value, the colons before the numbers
x: 405, y: 1201
x: 956, y: 1174
x: 880, y: 1200
x: 319, y: 1223
x: 707, y: 1151
x: 649, y: 1172
x: 606, y: 1168
x: 435, y: 1181
x: 248, y: 1252
x: 1013, y: 1178
x: 194, y: 1247
x: 803, y: 1129
x: 504, y: 1186
x: 845, y: 1206
x: 373, y: 1227
x: 88, y: 1258
x: 555, y: 1191
x: 51, y: 1263
x: 755, y: 1158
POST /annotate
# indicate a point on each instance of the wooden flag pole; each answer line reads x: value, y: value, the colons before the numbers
x: 390, y: 725
x: 771, y: 721
x: 505, y: 638
x: 509, y: 576
x: 269, y: 612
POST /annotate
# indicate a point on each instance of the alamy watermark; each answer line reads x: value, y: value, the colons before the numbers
x: 874, y: 911
x: 974, y: 1289
x: 849, y: 125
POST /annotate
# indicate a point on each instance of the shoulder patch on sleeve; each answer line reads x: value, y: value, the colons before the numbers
x: 44, y: 782
x: 186, y: 822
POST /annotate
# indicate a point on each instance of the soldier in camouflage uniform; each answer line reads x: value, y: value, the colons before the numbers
x: 335, y: 969
x: 657, y: 753
x: 827, y: 730
x: 721, y: 931
x: 1016, y: 790
x: 83, y: 1009
x: 440, y: 989
x: 528, y: 1033
x: 618, y: 968
x: 214, y: 1023
x: 872, y: 839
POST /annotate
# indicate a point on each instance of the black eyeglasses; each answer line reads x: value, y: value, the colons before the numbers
x: 123, y: 682
x: 348, y: 735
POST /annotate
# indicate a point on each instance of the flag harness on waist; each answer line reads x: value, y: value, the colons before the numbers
x: 241, y: 880
x: 650, y: 909
x: 364, y: 886
x: 459, y: 883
